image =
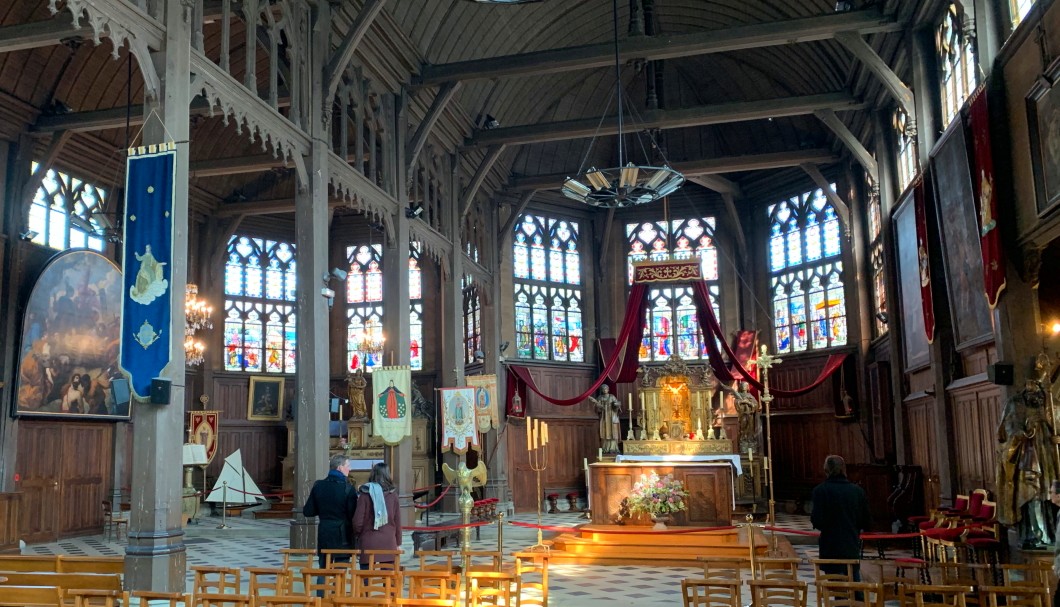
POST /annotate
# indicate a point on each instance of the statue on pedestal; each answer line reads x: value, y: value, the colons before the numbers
x: 356, y: 384
x: 608, y: 407
x: 750, y: 423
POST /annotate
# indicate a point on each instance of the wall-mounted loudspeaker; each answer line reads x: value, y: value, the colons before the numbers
x: 160, y: 389
x: 1000, y: 373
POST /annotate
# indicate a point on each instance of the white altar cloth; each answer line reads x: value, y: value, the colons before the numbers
x: 731, y: 458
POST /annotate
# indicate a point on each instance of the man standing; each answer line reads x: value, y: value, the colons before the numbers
x: 840, y: 512
x: 334, y: 501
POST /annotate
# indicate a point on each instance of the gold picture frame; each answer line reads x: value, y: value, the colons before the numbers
x: 265, y: 398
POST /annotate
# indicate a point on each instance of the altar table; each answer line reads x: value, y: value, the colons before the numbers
x: 709, y: 484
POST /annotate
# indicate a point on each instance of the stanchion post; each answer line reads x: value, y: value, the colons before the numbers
x: 224, y: 506
x: 750, y: 518
x: 764, y: 362
x: 500, y: 533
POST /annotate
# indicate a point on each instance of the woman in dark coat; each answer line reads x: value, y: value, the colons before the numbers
x: 334, y: 501
x: 377, y: 520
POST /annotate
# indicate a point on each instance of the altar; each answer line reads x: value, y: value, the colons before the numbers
x: 709, y: 484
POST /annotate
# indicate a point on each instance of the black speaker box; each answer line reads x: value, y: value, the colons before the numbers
x: 1000, y: 373
x: 160, y: 388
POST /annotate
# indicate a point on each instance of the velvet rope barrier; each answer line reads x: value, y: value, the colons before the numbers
x: 712, y: 335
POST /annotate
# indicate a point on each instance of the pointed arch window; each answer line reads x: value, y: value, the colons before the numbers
x: 673, y: 326
x: 1018, y: 10
x: 472, y: 320
x: 875, y: 232
x: 415, y: 307
x: 364, y: 307
x: 908, y: 166
x: 66, y: 212
x: 548, y: 294
x: 806, y: 268
x: 956, y: 63
x: 260, y: 286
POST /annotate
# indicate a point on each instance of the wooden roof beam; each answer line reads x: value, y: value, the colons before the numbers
x: 37, y: 34
x: 480, y: 175
x: 344, y: 54
x: 721, y: 113
x: 419, y: 139
x: 841, y: 207
x: 709, y: 166
x: 263, y: 207
x: 875, y: 64
x: 807, y: 29
x: 829, y: 118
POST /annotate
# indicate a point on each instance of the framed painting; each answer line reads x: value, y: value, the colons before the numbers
x: 71, y: 332
x: 1043, y: 120
x: 266, y: 398
x: 914, y: 340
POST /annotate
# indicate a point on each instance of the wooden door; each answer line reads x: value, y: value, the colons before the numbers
x: 66, y: 471
x: 40, y: 448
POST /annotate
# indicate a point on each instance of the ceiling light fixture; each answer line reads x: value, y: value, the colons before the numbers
x: 627, y: 184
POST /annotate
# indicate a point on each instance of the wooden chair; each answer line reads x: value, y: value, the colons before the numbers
x: 831, y: 593
x: 154, y: 599
x: 333, y: 555
x: 30, y: 596
x: 444, y: 556
x: 934, y: 595
x: 326, y: 583
x: 1029, y: 574
x: 383, y: 559
x: 777, y: 568
x: 819, y: 576
x: 724, y: 567
x: 531, y: 573
x: 714, y: 592
x: 490, y: 588
x: 431, y: 584
x: 223, y: 600
x: 215, y: 580
x: 474, y: 559
x: 361, y: 601
x: 114, y: 522
x: 411, y: 602
x: 97, y: 598
x: 770, y: 593
x: 1015, y: 596
x: 288, y: 601
x: 373, y: 583
x: 267, y: 581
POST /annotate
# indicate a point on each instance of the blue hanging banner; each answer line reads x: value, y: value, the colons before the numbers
x: 146, y: 265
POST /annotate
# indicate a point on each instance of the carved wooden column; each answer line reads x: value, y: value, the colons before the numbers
x: 311, y: 239
x: 156, y: 556
x: 497, y: 483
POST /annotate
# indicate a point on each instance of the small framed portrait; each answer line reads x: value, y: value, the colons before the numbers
x: 265, y: 402
x: 1043, y: 118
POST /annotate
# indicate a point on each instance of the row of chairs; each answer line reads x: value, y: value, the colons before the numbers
x: 967, y: 532
x: 787, y: 593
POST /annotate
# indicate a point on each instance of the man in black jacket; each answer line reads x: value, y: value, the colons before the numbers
x: 334, y: 500
x: 840, y: 512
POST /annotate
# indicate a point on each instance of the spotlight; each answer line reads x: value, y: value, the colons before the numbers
x: 29, y: 235
x: 504, y: 346
x: 1055, y: 327
x: 882, y: 317
x: 844, y: 6
x: 413, y: 212
x: 480, y: 355
x: 339, y: 273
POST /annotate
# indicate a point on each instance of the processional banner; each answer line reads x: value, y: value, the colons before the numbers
x: 146, y: 267
x: 922, y: 197
x: 202, y: 430
x: 487, y: 414
x: 458, y: 419
x: 391, y: 410
x: 667, y: 271
x: 986, y: 197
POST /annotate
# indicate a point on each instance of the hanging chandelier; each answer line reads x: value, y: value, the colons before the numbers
x: 371, y: 338
x: 196, y: 316
x: 627, y: 184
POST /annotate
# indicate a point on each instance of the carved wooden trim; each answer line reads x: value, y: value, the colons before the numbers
x: 351, y: 185
x: 433, y: 242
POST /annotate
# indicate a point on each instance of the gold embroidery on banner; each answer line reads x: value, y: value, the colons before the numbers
x: 666, y: 271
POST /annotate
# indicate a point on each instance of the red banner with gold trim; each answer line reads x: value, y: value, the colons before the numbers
x: 923, y: 196
x: 667, y: 271
x: 986, y: 197
x: 202, y: 430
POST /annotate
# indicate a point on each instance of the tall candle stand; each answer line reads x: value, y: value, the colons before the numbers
x: 765, y: 361
x: 538, y: 463
x: 629, y: 433
x: 699, y: 416
x: 655, y: 417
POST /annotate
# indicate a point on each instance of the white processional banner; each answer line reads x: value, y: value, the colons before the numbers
x: 458, y: 419
x: 391, y: 403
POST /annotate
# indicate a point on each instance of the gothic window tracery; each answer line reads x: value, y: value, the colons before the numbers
x: 364, y: 307
x: 66, y: 212
x: 957, y: 78
x: 260, y: 282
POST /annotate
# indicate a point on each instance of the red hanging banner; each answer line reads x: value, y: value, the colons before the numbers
x: 986, y: 197
x: 922, y: 196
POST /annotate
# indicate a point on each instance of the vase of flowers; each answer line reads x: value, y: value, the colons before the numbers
x: 658, y: 497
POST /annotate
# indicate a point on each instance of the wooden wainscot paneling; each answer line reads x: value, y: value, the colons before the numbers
x: 261, y: 443
x: 801, y: 442
x: 921, y: 443
x: 976, y: 407
x: 10, y: 521
x: 709, y: 487
x: 571, y: 443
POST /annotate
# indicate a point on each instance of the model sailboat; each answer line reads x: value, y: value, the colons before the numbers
x: 241, y: 489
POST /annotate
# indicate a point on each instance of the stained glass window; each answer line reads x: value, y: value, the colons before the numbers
x: 548, y: 296
x: 415, y: 307
x: 879, y: 292
x: 472, y: 321
x: 908, y: 164
x: 805, y: 246
x: 67, y: 213
x: 956, y: 62
x: 1018, y: 10
x: 364, y: 307
x: 673, y: 326
x: 260, y: 285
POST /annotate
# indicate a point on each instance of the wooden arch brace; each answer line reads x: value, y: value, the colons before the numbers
x: 840, y: 205
x: 342, y: 57
x: 480, y: 175
x: 419, y: 139
x: 864, y: 158
x: 868, y: 56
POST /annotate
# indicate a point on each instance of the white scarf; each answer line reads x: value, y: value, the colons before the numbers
x: 375, y: 491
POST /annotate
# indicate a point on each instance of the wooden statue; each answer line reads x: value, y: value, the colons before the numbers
x: 355, y: 385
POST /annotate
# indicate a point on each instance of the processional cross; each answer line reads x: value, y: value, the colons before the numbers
x: 765, y: 362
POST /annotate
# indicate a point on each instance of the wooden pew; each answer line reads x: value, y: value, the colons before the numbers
x: 29, y: 596
x: 91, y: 564
x: 66, y: 581
x: 28, y: 563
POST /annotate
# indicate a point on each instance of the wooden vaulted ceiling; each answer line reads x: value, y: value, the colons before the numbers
x: 84, y: 77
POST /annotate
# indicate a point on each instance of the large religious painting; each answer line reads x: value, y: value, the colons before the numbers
x: 914, y: 340
x: 958, y: 222
x: 68, y: 359
x: 1043, y: 119
x: 265, y: 398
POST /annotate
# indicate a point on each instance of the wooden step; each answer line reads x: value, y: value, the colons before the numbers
x: 273, y: 514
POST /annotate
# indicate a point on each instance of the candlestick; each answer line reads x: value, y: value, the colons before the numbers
x: 585, y: 464
x: 529, y: 434
x: 599, y: 454
x: 655, y: 417
x: 537, y: 433
x: 629, y: 433
x: 630, y: 395
x: 750, y: 453
x: 544, y: 430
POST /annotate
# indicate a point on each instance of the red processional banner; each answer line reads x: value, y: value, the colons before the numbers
x: 922, y: 196
x: 986, y: 197
x: 667, y: 271
x: 202, y: 430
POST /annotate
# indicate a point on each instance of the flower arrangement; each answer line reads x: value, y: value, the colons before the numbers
x: 657, y: 495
